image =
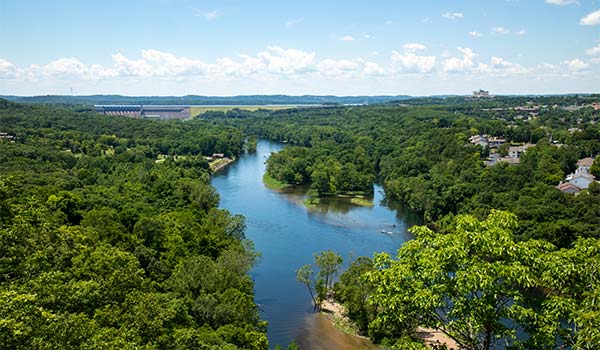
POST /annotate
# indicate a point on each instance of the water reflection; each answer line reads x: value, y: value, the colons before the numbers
x: 288, y: 234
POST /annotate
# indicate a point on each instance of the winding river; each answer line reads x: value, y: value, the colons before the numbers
x: 287, y: 234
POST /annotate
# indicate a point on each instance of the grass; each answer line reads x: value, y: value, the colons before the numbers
x: 274, y: 184
x: 311, y: 202
x: 196, y: 111
x: 364, y: 202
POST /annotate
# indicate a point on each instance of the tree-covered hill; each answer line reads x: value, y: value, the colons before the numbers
x: 105, y: 246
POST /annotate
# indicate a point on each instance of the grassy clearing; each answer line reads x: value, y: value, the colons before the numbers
x: 219, y: 164
x: 364, y: 202
x: 274, y: 184
x: 195, y: 111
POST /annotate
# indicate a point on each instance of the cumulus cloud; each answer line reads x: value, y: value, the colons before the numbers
x: 591, y: 19
x: 7, y: 69
x: 562, y: 2
x: 520, y: 32
x: 576, y: 64
x: 453, y: 15
x: 500, y: 30
x: 347, y: 38
x: 460, y: 64
x: 410, y: 62
x: 501, y: 66
x: 594, y: 51
x: 475, y: 34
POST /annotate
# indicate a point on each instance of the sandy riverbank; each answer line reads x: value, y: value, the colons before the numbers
x: 219, y: 164
x: 334, y: 313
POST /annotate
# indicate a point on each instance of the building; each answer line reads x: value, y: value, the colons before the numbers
x: 566, y: 187
x: 581, y: 180
x: 517, y: 151
x: 495, y: 142
x: 148, y: 112
x: 5, y: 137
x: 480, y: 140
x: 481, y: 94
x: 584, y: 165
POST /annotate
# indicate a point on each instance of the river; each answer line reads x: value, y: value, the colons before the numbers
x: 287, y: 234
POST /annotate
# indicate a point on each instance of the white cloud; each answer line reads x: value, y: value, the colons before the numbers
x: 340, y: 69
x: 453, y: 15
x: 287, y: 61
x: 576, y: 64
x: 501, y: 66
x: 7, y: 69
x: 347, y: 38
x: 293, y: 22
x: 520, y: 32
x: 594, y: 51
x: 414, y: 47
x: 464, y: 63
x: 591, y: 19
x: 409, y: 62
x: 373, y: 69
x: 475, y: 34
x: 500, y: 30
x: 562, y: 2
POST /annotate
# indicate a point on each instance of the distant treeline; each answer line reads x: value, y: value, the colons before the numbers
x: 204, y: 100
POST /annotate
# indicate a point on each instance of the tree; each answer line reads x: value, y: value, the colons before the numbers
x: 328, y: 262
x: 305, y: 275
x: 470, y: 284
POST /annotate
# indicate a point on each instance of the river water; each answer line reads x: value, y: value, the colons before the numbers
x: 287, y: 234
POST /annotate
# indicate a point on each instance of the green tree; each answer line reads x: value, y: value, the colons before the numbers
x: 305, y: 275
x: 329, y: 263
x: 470, y: 284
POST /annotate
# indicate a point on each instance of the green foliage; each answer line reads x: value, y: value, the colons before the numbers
x: 104, y: 247
x: 423, y: 156
x: 481, y: 288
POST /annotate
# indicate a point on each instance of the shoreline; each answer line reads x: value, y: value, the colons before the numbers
x: 334, y: 312
x: 217, y: 165
x: 358, y: 199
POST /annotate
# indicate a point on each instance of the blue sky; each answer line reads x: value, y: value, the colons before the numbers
x: 229, y: 47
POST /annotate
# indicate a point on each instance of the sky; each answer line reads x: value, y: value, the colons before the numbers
x: 350, y: 47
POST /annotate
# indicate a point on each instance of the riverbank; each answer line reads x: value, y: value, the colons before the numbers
x: 274, y: 184
x: 335, y: 313
x: 220, y: 163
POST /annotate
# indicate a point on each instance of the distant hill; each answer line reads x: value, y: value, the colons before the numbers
x: 205, y: 100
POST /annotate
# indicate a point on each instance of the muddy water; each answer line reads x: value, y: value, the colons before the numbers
x: 287, y: 235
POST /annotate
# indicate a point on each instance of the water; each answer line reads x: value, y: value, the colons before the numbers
x: 287, y: 234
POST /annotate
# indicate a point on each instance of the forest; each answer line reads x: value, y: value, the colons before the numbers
x: 103, y: 246
x: 112, y: 237
x: 506, y: 260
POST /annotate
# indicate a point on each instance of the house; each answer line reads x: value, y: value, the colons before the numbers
x: 566, y: 187
x: 495, y: 142
x: 581, y: 180
x: 517, y: 151
x: 5, y: 137
x: 584, y: 165
x: 480, y: 140
x: 218, y: 155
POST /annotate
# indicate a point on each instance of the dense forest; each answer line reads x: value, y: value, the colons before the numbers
x: 111, y: 235
x: 507, y: 260
x: 111, y: 238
